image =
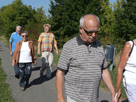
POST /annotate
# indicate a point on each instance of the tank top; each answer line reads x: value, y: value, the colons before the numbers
x: 130, y: 67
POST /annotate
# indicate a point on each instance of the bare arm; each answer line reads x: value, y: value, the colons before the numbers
x: 39, y: 47
x: 10, y: 47
x: 59, y: 86
x: 57, y: 51
x: 108, y: 81
x: 122, y: 63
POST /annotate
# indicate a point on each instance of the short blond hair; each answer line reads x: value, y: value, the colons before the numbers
x: 47, y: 25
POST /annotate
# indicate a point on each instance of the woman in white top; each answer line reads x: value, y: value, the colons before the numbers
x: 128, y: 63
x: 24, y: 55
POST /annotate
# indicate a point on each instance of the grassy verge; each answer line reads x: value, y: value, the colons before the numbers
x: 4, y: 40
x: 5, y: 93
x: 56, y: 57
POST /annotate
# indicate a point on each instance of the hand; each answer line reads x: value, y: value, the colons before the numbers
x: 38, y: 52
x: 11, y: 53
x: 13, y: 63
x: 35, y: 62
x: 119, y: 99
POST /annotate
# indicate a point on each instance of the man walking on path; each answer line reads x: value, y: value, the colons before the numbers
x: 83, y: 62
x: 15, y: 37
x: 47, y: 39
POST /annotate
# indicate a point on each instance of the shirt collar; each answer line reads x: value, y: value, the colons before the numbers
x: 18, y: 34
x: 81, y: 42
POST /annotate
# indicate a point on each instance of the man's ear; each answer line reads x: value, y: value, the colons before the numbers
x: 80, y: 29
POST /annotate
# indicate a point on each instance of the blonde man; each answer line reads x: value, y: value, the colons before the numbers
x: 48, y: 42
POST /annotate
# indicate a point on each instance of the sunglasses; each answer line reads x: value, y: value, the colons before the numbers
x: 24, y: 36
x: 90, y: 32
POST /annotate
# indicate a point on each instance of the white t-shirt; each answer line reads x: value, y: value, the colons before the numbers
x: 130, y: 68
x: 25, y: 53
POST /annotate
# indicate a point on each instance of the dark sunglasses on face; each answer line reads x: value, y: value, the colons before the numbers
x: 89, y: 33
x: 24, y: 36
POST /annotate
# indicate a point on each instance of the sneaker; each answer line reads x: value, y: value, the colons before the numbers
x: 48, y: 77
x: 22, y: 88
x: 17, y: 76
x: 41, y: 74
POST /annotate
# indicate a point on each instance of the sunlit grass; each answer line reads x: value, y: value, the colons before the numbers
x: 5, y: 93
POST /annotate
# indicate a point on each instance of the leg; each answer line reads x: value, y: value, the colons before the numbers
x: 49, y: 68
x: 16, y: 70
x: 28, y: 72
x: 44, y: 60
x: 22, y: 74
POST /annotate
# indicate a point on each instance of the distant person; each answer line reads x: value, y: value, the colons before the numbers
x: 127, y: 65
x: 24, y: 55
x: 48, y: 42
x: 15, y: 37
x: 83, y: 63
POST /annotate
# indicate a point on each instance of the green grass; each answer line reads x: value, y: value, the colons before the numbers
x: 4, y: 40
x: 56, y: 57
x: 5, y: 93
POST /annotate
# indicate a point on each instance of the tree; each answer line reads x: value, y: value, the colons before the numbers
x: 66, y: 15
x: 125, y: 17
x: 16, y: 14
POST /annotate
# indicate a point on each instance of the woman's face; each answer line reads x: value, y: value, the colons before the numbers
x: 24, y: 37
x: 46, y: 29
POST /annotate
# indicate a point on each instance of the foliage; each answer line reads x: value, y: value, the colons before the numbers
x: 66, y: 14
x: 19, y: 14
x: 5, y: 94
x: 125, y: 17
x: 34, y: 30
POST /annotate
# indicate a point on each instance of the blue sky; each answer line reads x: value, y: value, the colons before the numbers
x: 34, y: 3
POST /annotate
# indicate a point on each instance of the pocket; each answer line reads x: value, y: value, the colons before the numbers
x: 29, y: 66
x: 21, y: 65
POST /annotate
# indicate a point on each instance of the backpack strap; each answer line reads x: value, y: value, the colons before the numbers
x: 131, y: 48
x: 130, y: 51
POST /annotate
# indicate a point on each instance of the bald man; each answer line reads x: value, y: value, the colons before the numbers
x: 82, y: 62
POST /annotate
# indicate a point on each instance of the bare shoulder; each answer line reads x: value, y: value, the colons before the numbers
x: 134, y: 41
x: 127, y: 45
x: 127, y: 48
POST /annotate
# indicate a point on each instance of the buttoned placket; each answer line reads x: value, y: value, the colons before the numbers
x: 89, y: 49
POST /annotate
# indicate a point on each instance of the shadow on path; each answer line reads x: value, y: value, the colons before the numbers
x: 104, y: 101
x: 36, y: 68
x: 125, y: 101
x: 42, y: 79
x: 108, y: 101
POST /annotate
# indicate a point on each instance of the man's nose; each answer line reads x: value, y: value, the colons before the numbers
x: 93, y: 34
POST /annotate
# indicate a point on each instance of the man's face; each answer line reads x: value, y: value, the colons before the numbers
x: 18, y: 30
x: 46, y: 29
x: 89, y: 32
